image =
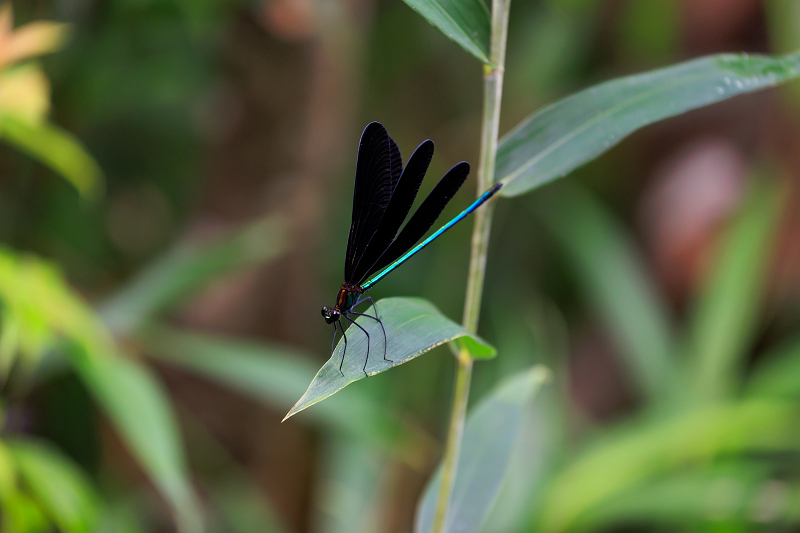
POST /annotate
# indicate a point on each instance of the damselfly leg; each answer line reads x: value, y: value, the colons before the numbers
x: 378, y: 320
x: 345, y: 346
x: 385, y: 339
x: 366, y: 359
x: 333, y: 342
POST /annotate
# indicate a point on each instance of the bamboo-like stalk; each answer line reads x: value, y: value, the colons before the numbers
x: 493, y: 91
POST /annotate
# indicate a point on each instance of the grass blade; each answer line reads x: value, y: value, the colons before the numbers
x: 413, y: 327
x: 725, y: 318
x: 565, y: 135
x: 640, y: 452
x: 742, y: 492
x: 615, y: 277
x: 489, y: 437
x: 139, y: 409
x: 464, y: 21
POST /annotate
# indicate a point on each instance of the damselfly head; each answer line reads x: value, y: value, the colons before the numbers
x: 330, y: 315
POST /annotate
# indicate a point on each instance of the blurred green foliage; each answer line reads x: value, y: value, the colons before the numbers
x: 25, y: 102
x: 705, y: 436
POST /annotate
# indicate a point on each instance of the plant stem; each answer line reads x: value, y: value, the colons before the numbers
x: 492, y: 95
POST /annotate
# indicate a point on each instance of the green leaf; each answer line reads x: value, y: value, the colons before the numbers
x: 190, y: 266
x: 56, y: 148
x: 467, y: 22
x: 565, y: 135
x: 699, y: 499
x: 724, y: 320
x: 616, y: 280
x: 8, y: 474
x: 57, y: 484
x: 45, y: 306
x: 631, y: 455
x: 540, y: 445
x: 38, y: 306
x: 22, y: 514
x: 489, y: 437
x: 413, y: 327
x: 140, y: 410
x: 277, y: 375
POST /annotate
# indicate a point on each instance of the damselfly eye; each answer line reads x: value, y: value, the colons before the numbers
x: 325, y: 312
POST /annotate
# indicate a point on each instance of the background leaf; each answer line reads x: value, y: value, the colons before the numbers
x: 724, y: 321
x: 636, y: 453
x: 739, y: 493
x: 57, y: 484
x: 140, y: 410
x: 413, y: 326
x: 57, y: 149
x: 464, y: 21
x: 614, y: 275
x: 489, y: 436
x: 564, y: 135
x: 138, y: 407
x: 39, y: 306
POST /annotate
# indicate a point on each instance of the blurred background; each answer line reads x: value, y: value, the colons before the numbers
x: 225, y: 132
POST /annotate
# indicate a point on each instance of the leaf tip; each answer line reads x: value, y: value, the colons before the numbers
x: 296, y: 408
x: 293, y: 411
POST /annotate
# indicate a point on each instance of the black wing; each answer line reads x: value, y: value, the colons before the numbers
x: 399, y: 205
x: 372, y: 191
x: 424, y: 217
x: 397, y: 163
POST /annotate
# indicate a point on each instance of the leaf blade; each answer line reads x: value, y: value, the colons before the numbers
x: 58, y: 485
x: 563, y: 136
x: 633, y: 454
x: 465, y: 22
x: 138, y: 406
x: 489, y: 436
x: 56, y: 148
x: 413, y: 327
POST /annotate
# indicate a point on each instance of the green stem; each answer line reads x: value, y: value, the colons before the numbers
x: 493, y: 90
